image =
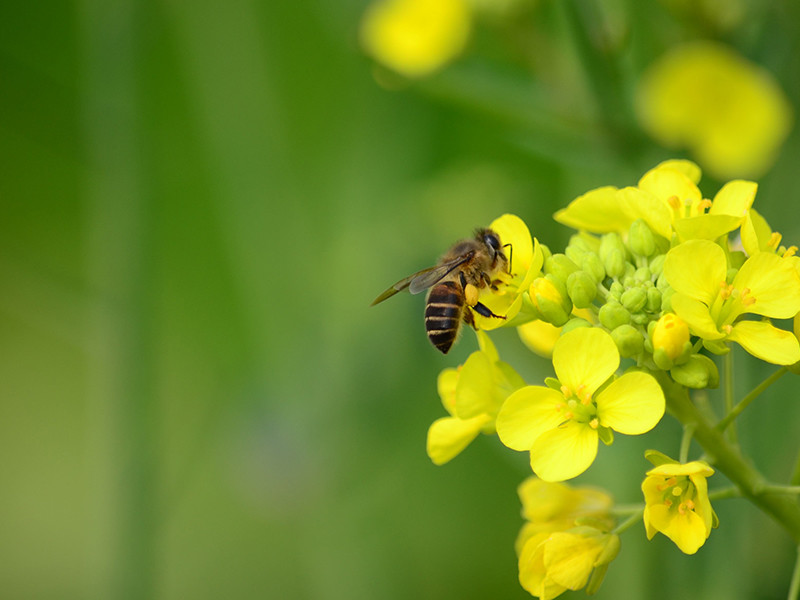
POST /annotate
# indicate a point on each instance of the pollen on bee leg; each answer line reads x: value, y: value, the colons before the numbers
x: 471, y: 294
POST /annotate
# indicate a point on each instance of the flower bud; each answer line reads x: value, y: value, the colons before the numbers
x: 581, y: 288
x: 560, y: 267
x: 641, y: 239
x: 634, y: 299
x: 591, y: 264
x: 653, y: 303
x: 628, y: 339
x: 697, y: 373
x: 657, y: 264
x: 612, y: 315
x: 575, y: 323
x: 550, y: 301
x: 613, y: 254
x: 671, y: 334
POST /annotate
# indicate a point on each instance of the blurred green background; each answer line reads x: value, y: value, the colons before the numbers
x: 199, y: 202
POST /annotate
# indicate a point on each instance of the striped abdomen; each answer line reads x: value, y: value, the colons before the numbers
x: 443, y: 314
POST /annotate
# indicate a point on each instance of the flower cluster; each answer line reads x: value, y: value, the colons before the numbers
x: 655, y: 283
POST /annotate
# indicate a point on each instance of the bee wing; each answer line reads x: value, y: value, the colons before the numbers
x: 422, y: 280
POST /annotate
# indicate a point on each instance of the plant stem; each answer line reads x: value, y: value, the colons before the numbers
x: 686, y: 442
x: 629, y: 522
x: 728, y: 362
x: 745, y: 402
x: 794, y: 587
x: 725, y: 493
x: 727, y: 458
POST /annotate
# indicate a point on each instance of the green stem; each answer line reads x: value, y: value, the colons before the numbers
x: 794, y: 587
x: 629, y: 522
x: 686, y: 442
x: 735, y: 411
x: 728, y: 362
x: 772, y: 488
x: 795, y: 479
x: 727, y: 458
x: 725, y: 493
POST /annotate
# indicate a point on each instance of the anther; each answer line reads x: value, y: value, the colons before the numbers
x: 790, y: 251
x: 774, y: 240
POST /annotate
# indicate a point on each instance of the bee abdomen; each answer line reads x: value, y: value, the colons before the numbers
x: 443, y: 314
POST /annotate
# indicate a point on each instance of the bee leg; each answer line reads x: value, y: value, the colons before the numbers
x: 469, y: 319
x: 484, y: 311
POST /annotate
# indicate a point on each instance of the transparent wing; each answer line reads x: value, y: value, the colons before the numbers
x: 422, y: 280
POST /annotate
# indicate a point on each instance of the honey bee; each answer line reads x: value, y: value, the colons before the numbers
x: 454, y: 285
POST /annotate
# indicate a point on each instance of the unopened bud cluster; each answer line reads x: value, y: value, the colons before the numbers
x: 619, y: 283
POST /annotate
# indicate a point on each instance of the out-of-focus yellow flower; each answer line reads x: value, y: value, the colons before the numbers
x: 555, y: 552
x: 416, y: 37
x: 670, y: 335
x: 561, y: 429
x: 729, y: 112
x: 472, y: 395
x: 677, y: 505
x: 551, y: 563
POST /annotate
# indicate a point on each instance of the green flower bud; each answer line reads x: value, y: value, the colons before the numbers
x: 642, y: 275
x: 591, y: 264
x: 560, y: 267
x: 640, y: 318
x: 628, y: 339
x: 653, y: 303
x: 697, y: 373
x: 641, y: 239
x: 634, y: 299
x: 616, y: 289
x: 657, y: 264
x: 550, y: 300
x: 612, y: 315
x: 581, y: 288
x: 613, y: 254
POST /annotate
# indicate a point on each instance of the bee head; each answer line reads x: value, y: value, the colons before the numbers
x: 491, y: 239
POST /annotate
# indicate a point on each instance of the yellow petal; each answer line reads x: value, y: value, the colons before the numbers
x: 586, y: 357
x: 734, y: 198
x: 446, y: 386
x: 705, y: 227
x: 696, y: 268
x: 528, y: 413
x: 474, y: 389
x: 564, y: 452
x: 569, y: 558
x: 598, y: 211
x: 697, y: 316
x: 764, y: 341
x: 540, y: 337
x: 755, y: 232
x: 642, y: 204
x: 664, y: 183
x: 774, y: 284
x: 633, y: 404
x: 687, y: 531
x: 532, y: 574
x: 448, y: 436
x: 687, y: 167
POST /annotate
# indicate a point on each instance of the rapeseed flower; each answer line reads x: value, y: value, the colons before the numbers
x: 729, y: 112
x: 766, y: 285
x: 677, y: 504
x: 472, y: 395
x: 561, y: 427
x: 416, y: 37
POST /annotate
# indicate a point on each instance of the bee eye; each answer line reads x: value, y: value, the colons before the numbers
x: 491, y: 240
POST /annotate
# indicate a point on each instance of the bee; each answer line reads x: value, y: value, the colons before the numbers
x: 454, y: 285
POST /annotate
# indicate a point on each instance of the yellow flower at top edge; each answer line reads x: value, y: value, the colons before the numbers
x: 472, y: 395
x: 729, y: 112
x: 525, y: 258
x: 416, y: 37
x: 765, y: 285
x: 668, y: 200
x: 562, y: 428
x: 677, y: 505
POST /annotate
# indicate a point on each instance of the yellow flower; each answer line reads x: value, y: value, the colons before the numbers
x: 765, y: 285
x: 526, y: 258
x: 416, y: 37
x: 670, y: 335
x: 472, y: 395
x: 677, y: 505
x: 668, y: 200
x: 729, y: 112
x: 551, y: 563
x: 561, y: 429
